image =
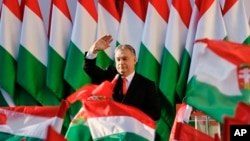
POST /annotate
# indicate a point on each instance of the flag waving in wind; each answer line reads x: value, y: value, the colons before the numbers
x: 219, y: 77
x: 30, y: 122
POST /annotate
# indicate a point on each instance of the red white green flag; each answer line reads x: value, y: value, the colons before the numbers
x: 33, y: 54
x: 108, y: 23
x: 82, y: 37
x: 236, y: 21
x: 178, y: 25
x: 30, y: 122
x: 206, y: 22
x: 132, y: 23
x: 218, y: 77
x: 58, y: 46
x: 119, y: 121
x: 10, y: 29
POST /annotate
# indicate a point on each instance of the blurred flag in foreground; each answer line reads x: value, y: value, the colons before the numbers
x: 104, y: 119
x: 218, y: 77
x: 30, y: 122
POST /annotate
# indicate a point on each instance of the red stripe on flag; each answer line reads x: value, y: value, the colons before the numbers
x: 34, y: 6
x: 162, y: 7
x: 3, y: 119
x: 139, y: 7
x: 110, y: 5
x: 203, y: 6
x: 235, y: 53
x: 13, y: 7
x: 184, y: 9
x: 62, y: 5
x: 89, y: 5
x: 101, y: 108
x: 185, y: 132
x: 43, y: 111
x: 228, y: 4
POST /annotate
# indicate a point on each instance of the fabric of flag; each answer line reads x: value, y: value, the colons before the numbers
x: 132, y: 23
x: 153, y: 37
x: 236, y: 21
x: 5, y: 99
x: 218, y: 77
x: 53, y: 135
x: 83, y: 36
x: 10, y: 29
x: 179, y: 19
x: 79, y: 129
x: 241, y: 117
x: 58, y: 46
x: 179, y: 118
x: 185, y: 132
x: 175, y: 39
x: 151, y: 47
x: 30, y: 122
x: 33, y: 54
x: 109, y: 120
x: 108, y: 23
x: 206, y: 22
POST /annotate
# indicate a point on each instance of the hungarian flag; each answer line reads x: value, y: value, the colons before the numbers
x: 10, y: 29
x: 33, y: 55
x: 30, y: 122
x: 218, y: 77
x: 108, y: 23
x: 206, y: 22
x: 178, y: 25
x: 58, y: 46
x: 109, y: 120
x: 82, y: 37
x: 132, y: 23
x: 236, y: 21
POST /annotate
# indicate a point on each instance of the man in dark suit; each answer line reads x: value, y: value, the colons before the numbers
x: 139, y: 91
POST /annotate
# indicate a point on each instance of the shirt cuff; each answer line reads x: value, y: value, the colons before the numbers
x: 91, y: 55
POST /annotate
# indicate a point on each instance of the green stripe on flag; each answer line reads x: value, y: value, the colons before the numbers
x: 122, y: 136
x: 103, y: 60
x: 74, y: 73
x: 247, y: 41
x: 32, y: 83
x: 10, y: 137
x: 182, y: 81
x: 210, y: 100
x: 55, y: 73
x: 147, y: 59
x: 7, y: 71
x: 168, y: 77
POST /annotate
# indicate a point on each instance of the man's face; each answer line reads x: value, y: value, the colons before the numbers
x: 125, y: 61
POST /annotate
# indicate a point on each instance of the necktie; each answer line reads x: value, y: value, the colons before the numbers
x: 124, y: 85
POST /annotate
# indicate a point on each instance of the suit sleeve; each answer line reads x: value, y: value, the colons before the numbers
x: 97, y: 74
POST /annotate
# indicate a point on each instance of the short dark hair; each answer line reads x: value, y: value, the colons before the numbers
x: 125, y: 46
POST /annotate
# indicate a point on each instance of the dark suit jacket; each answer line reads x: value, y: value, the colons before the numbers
x: 141, y: 92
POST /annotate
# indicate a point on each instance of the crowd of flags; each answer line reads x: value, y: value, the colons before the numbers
x: 40, y: 67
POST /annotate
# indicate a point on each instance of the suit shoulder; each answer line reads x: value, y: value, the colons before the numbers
x: 143, y: 78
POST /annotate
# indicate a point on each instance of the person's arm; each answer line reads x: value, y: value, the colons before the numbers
x: 97, y: 74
